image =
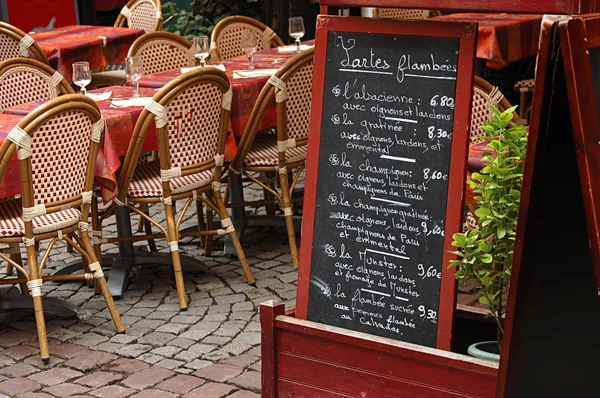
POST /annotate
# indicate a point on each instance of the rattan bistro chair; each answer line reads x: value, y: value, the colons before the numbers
x: 407, y: 14
x: 225, y: 41
x: 162, y: 51
x: 57, y: 145
x: 191, y: 115
x: 15, y: 43
x: 269, y: 153
x: 141, y: 14
x: 25, y: 80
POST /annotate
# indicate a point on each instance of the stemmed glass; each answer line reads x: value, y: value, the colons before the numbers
x: 249, y: 44
x: 81, y: 75
x: 296, y: 29
x: 134, y: 68
x: 201, y: 48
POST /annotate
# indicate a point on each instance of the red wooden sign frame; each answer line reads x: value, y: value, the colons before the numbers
x: 514, y: 6
x: 578, y: 36
x: 467, y: 34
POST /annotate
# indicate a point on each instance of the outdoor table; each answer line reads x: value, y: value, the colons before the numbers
x: 99, y: 45
x: 245, y: 90
x: 502, y: 38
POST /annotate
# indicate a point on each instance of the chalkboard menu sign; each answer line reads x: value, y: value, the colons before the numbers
x: 391, y: 142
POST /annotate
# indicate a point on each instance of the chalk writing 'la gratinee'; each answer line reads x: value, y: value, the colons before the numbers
x: 351, y: 62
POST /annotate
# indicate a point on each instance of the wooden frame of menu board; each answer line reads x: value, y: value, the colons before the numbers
x: 580, y: 38
x: 465, y: 34
x: 514, y: 6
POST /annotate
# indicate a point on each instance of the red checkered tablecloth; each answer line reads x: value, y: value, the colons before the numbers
x: 99, y: 45
x: 502, y: 38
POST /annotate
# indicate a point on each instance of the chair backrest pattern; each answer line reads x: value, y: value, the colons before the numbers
x: 299, y: 96
x: 59, y: 156
x: 484, y: 93
x: 142, y: 14
x: 161, y: 55
x: 24, y: 84
x: 194, y: 117
x: 403, y: 13
x: 229, y: 39
x: 15, y: 43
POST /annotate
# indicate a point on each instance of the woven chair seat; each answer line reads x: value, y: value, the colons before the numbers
x: 147, y: 182
x: 264, y: 152
x: 527, y: 83
x: 11, y: 219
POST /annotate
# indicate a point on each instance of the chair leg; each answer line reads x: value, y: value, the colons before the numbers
x: 101, y: 283
x: 15, y: 255
x: 147, y: 226
x: 200, y: 218
x: 172, y: 238
x: 268, y: 196
x: 209, y: 227
x: 38, y: 308
x: 289, y: 221
x: 235, y: 241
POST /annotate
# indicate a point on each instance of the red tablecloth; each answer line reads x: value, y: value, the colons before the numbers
x: 245, y: 91
x: 99, y: 45
x: 502, y: 38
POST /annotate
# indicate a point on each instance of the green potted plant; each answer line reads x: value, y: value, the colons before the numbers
x: 485, y: 252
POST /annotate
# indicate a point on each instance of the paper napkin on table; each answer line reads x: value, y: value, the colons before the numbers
x: 99, y: 96
x: 292, y: 48
x: 219, y: 67
x: 125, y: 102
x: 241, y: 74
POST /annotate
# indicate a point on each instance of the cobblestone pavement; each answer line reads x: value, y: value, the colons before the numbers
x: 211, y: 350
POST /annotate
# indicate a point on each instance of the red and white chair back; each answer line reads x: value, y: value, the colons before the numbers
x: 163, y: 51
x: 141, y: 14
x: 15, y: 43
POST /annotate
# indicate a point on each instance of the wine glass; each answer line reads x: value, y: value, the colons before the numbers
x: 249, y: 44
x: 134, y: 68
x: 296, y: 29
x: 81, y: 75
x: 201, y: 48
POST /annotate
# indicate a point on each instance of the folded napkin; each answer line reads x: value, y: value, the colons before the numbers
x: 99, y: 96
x: 241, y: 74
x: 219, y: 67
x: 291, y: 48
x: 125, y: 102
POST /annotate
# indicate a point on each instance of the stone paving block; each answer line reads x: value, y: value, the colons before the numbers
x: 242, y: 361
x: 216, y: 340
x: 18, y: 370
x: 126, y: 365
x: 150, y: 358
x: 243, y: 306
x: 168, y: 351
x: 31, y: 395
x: 55, y: 376
x: 242, y: 315
x: 4, y: 360
x: 244, y: 394
x: 170, y: 363
x: 19, y: 352
x: 18, y: 385
x: 181, y: 342
x: 186, y: 319
x: 13, y: 338
x: 197, y: 364
x: 248, y: 380
x: 99, y: 379
x: 248, y: 338
x: 107, y: 346
x: 218, y: 372
x: 68, y: 350
x: 174, y: 328
x: 90, y: 360
x: 149, y: 323
x: 91, y: 339
x: 113, y: 392
x: 230, y: 299
x: 66, y: 389
x: 180, y: 384
x: 210, y: 390
x: 148, y: 377
x: 138, y: 331
x: 134, y: 350
x: 220, y: 291
x: 154, y: 394
x: 156, y: 339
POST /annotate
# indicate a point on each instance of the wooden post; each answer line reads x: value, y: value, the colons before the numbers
x: 268, y: 312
